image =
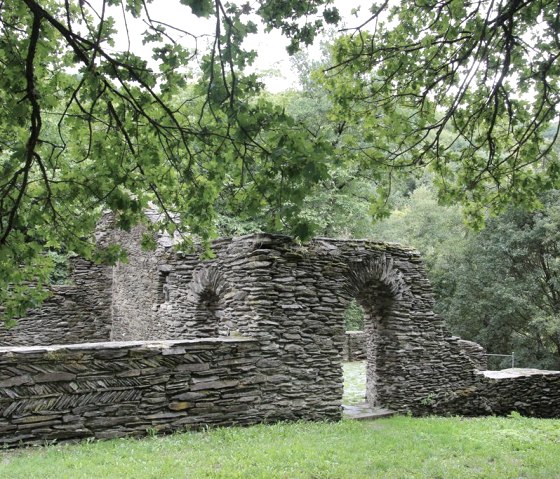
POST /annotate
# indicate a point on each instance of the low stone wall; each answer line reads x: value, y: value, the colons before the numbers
x: 533, y: 393
x: 354, y: 348
x: 107, y: 390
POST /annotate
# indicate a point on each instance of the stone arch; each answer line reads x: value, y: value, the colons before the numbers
x: 380, y: 269
x: 379, y: 287
x: 206, y: 292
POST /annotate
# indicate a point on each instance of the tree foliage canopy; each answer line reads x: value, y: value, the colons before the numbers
x: 507, y: 286
x: 468, y: 88
x: 85, y: 127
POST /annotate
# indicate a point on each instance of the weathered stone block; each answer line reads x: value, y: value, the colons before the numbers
x: 180, y: 405
x: 214, y: 385
x: 52, y: 377
x: 16, y: 381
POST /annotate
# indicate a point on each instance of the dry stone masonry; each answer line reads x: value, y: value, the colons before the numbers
x: 76, y: 312
x: 120, y: 389
x: 255, y: 334
x: 355, y: 346
x: 529, y: 392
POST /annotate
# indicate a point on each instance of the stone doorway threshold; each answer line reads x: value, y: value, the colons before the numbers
x: 362, y: 412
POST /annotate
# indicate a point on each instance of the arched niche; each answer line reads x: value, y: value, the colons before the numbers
x: 206, y: 293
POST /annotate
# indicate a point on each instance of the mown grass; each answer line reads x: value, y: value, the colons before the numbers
x: 399, y: 447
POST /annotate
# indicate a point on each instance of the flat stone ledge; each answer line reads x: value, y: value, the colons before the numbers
x: 517, y: 373
x: 363, y: 412
x: 167, y: 344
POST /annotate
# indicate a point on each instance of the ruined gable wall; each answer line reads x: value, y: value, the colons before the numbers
x: 100, y: 302
x: 292, y: 298
x: 137, y: 290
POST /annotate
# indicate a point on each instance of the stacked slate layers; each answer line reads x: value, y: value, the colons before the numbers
x: 260, y: 332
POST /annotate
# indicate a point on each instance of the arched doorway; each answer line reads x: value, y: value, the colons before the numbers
x: 375, y: 300
x: 376, y: 286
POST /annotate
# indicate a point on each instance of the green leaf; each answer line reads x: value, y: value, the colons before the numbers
x: 201, y: 8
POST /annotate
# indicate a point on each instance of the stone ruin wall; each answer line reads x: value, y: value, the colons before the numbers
x: 288, y: 301
x: 77, y: 312
x: 532, y: 393
x: 476, y: 352
x: 355, y: 349
x: 103, y: 390
x: 292, y: 299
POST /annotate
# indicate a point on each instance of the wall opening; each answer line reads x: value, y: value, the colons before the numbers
x: 354, y: 356
x: 163, y: 287
x: 376, y: 301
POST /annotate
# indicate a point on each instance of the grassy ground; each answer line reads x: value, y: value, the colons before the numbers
x: 399, y: 447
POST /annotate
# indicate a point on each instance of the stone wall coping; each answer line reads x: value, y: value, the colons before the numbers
x: 316, y: 239
x: 517, y: 373
x: 163, y: 344
x: 391, y: 244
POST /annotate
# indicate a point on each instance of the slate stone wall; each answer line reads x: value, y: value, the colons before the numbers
x: 410, y: 353
x: 76, y: 312
x: 292, y: 298
x: 280, y: 303
x: 258, y: 287
x: 107, y: 390
x: 476, y: 352
x: 534, y: 394
x: 355, y: 347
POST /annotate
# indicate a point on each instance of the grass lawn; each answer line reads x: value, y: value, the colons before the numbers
x: 399, y: 447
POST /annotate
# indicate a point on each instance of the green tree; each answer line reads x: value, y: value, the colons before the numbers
x: 85, y: 128
x: 353, y: 195
x: 436, y: 230
x: 507, y: 293
x: 500, y: 286
x: 467, y: 89
x: 343, y: 202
